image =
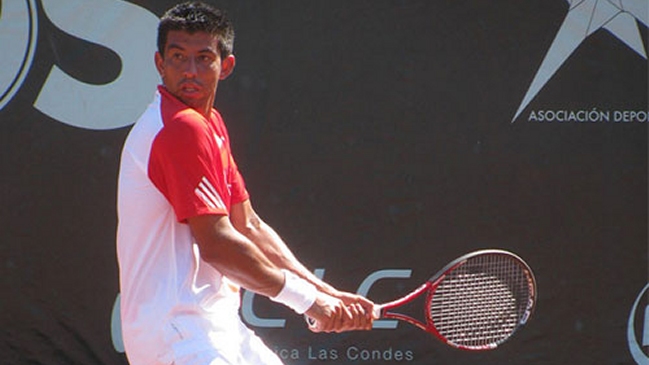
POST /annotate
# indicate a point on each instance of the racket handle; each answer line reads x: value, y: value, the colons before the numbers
x: 377, y: 312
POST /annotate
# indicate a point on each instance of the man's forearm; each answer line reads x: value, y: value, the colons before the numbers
x: 272, y: 245
x: 236, y: 256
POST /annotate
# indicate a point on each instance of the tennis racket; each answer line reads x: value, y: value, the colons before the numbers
x: 476, y: 302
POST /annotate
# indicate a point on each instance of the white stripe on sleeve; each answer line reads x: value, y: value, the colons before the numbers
x: 206, y: 192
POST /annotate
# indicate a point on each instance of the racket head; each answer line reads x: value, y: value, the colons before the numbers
x: 479, y: 300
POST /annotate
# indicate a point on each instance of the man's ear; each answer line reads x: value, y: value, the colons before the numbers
x: 227, y: 66
x: 159, y: 64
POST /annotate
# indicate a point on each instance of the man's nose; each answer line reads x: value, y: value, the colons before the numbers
x: 190, y: 68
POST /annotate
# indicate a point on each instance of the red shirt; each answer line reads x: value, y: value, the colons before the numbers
x: 175, y: 164
x: 191, y: 162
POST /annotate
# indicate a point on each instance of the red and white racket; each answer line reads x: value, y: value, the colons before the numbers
x: 476, y: 302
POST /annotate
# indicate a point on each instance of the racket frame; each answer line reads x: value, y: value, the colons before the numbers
x: 429, y: 287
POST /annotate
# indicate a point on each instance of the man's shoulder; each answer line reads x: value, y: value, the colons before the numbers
x: 176, y: 115
x: 147, y: 125
x: 185, y: 123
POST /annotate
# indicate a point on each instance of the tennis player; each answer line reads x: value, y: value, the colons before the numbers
x: 188, y: 237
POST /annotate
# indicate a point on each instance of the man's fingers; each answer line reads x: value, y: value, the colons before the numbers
x: 333, y: 315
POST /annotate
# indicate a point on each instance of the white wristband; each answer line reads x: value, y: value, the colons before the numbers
x: 297, y: 293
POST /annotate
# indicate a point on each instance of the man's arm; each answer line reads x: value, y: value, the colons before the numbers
x: 241, y: 260
x: 246, y: 221
x: 234, y: 255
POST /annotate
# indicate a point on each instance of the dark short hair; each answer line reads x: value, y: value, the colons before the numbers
x: 195, y: 16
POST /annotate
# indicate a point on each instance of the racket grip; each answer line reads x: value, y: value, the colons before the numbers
x: 377, y: 312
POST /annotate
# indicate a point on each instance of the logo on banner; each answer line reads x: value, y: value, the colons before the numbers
x: 638, y: 328
x: 253, y: 319
x: 125, y: 28
x: 18, y: 35
x: 585, y: 17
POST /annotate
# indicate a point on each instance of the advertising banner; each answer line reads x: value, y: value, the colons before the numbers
x: 380, y: 139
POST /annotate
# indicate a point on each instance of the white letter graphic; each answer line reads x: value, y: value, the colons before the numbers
x: 18, y: 34
x: 125, y: 28
x: 365, y: 286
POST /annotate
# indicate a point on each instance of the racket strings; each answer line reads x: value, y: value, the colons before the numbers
x: 480, y: 303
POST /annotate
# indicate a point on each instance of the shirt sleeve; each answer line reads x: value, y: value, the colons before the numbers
x: 195, y: 170
x: 238, y: 185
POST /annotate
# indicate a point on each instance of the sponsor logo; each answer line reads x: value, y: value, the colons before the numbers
x: 119, y: 102
x: 638, y: 328
x: 125, y: 28
x: 252, y: 319
x: 249, y: 316
x: 18, y: 35
x: 350, y: 353
x: 584, y: 18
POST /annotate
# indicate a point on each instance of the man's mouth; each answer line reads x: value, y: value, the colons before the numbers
x: 190, y: 88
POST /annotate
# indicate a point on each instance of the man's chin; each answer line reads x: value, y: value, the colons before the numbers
x: 193, y: 102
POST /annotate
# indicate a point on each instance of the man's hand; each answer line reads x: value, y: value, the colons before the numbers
x: 345, y: 312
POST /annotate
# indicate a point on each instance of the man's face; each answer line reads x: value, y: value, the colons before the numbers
x: 192, y: 67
